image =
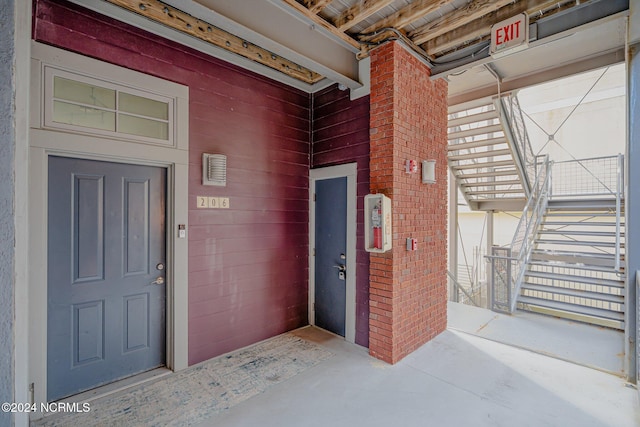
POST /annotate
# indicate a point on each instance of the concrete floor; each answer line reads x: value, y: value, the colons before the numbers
x: 457, y: 379
x: 588, y: 345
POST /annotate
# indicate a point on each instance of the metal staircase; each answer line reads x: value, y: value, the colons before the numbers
x: 567, y: 256
x: 484, y: 156
x: 575, y: 271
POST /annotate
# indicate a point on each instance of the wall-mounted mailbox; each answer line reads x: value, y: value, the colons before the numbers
x: 377, y: 223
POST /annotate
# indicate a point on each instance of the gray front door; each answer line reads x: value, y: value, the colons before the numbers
x: 106, y: 256
x: 331, y: 250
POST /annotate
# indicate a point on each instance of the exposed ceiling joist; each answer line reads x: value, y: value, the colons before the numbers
x: 481, y: 27
x: 305, y: 40
x: 407, y: 15
x: 359, y: 12
x: 321, y: 22
x: 316, y: 6
x: 457, y: 19
x: 178, y: 20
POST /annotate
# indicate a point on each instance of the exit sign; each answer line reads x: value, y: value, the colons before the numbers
x: 510, y: 35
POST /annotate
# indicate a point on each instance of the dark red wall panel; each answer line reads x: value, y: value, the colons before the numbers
x: 341, y: 135
x: 248, y: 268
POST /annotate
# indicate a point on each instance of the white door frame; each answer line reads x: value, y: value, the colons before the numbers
x: 46, y: 142
x: 349, y: 171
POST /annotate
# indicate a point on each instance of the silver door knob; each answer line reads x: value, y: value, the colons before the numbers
x: 158, y: 281
x: 340, y: 267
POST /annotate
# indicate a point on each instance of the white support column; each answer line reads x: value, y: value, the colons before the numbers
x: 453, y: 236
x: 489, y: 246
x: 632, y: 196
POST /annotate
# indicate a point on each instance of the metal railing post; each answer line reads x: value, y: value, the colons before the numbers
x: 619, y: 189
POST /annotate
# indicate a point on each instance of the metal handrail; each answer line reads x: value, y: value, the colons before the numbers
x: 514, y: 122
x: 584, y: 179
x: 515, y: 262
x: 619, y: 191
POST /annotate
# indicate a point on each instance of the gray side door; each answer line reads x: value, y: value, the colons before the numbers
x: 330, y: 259
x: 106, y: 256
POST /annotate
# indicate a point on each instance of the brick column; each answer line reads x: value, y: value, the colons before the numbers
x: 408, y: 289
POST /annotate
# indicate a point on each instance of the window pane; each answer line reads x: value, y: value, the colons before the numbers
x: 83, y: 116
x: 71, y: 90
x: 143, y: 127
x: 143, y: 106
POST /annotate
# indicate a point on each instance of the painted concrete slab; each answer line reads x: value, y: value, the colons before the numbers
x: 456, y: 379
x: 593, y: 346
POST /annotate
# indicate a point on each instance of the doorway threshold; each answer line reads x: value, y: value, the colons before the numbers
x: 117, y: 386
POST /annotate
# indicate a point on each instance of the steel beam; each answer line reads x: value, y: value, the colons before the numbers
x: 453, y: 236
x: 269, y: 24
x: 632, y: 209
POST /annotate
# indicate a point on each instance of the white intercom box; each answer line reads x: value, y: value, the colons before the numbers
x: 377, y: 223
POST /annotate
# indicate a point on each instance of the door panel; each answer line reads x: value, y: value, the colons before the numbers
x: 106, y: 234
x: 331, y: 249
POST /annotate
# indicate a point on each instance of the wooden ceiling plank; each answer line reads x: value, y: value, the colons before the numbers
x: 456, y: 19
x: 316, y: 6
x: 359, y: 13
x: 321, y: 22
x: 408, y: 14
x: 181, y: 21
x: 482, y: 27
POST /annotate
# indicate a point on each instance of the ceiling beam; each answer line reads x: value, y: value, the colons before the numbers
x: 279, y: 28
x: 316, y: 6
x: 181, y: 21
x: 408, y: 14
x: 482, y: 27
x: 456, y: 19
x: 359, y: 13
x: 322, y: 23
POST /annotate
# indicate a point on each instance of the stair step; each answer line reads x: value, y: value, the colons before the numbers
x: 479, y: 155
x: 492, y: 183
x: 564, y: 232
x: 473, y: 118
x: 574, y: 278
x: 483, y: 165
x: 581, y: 205
x: 470, y: 105
x: 578, y: 243
x: 588, y: 258
x: 597, y: 296
x: 503, y: 191
x: 492, y: 174
x: 574, y: 265
x: 575, y: 214
x: 476, y: 144
x: 574, y: 308
x: 481, y: 130
x: 583, y: 223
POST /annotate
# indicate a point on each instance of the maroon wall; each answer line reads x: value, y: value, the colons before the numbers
x: 341, y: 135
x: 248, y: 268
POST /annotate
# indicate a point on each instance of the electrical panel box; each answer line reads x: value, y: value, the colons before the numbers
x: 377, y: 223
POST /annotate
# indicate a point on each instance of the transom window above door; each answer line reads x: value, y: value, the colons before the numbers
x: 88, y: 105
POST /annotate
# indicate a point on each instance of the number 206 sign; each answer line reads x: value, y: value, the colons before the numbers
x: 510, y: 35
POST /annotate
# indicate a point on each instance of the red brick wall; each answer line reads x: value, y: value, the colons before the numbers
x: 408, y: 289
